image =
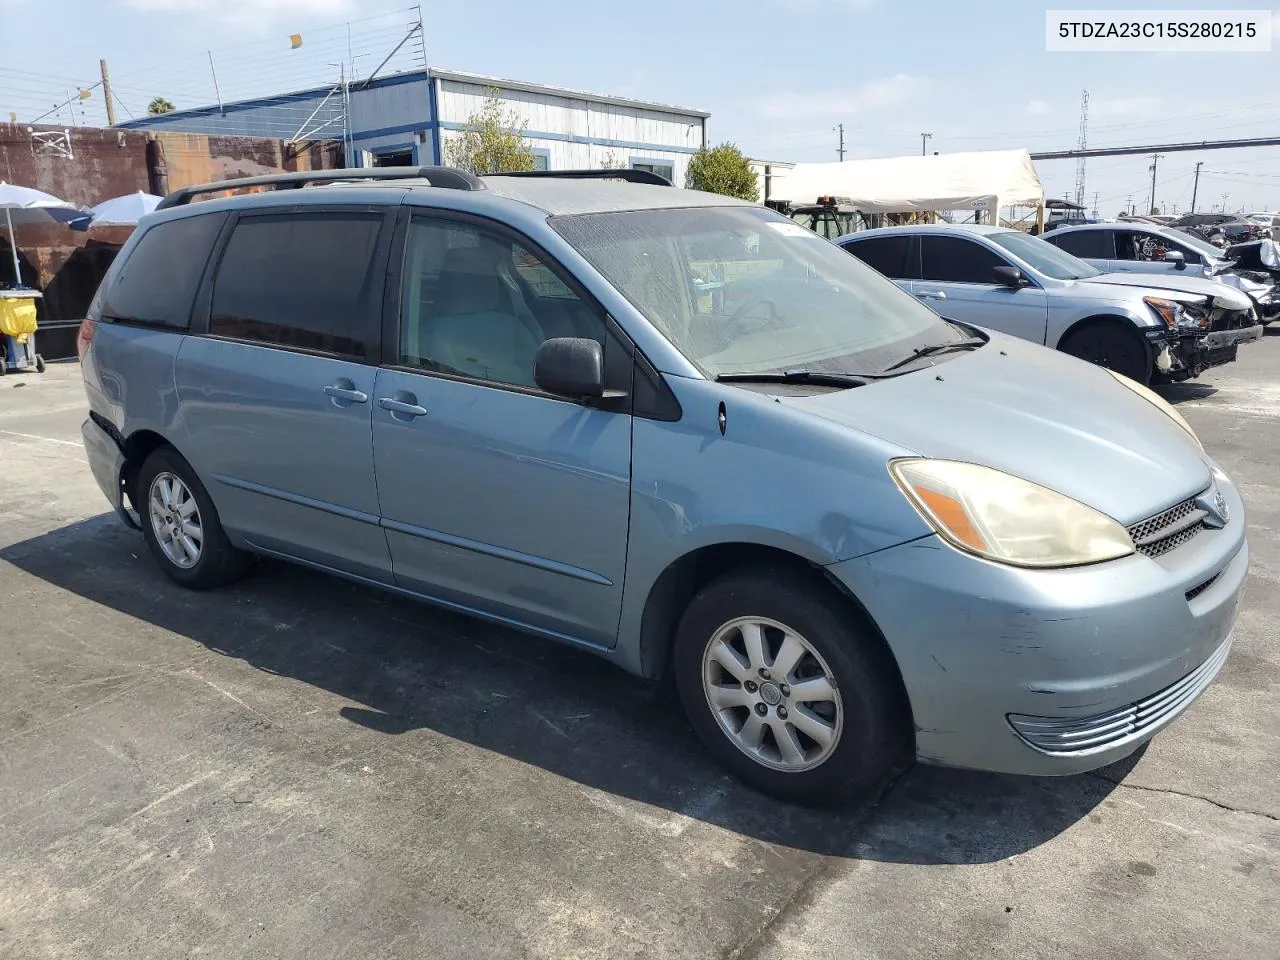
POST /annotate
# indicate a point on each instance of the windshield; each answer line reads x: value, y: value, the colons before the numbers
x: 745, y: 290
x: 1043, y: 256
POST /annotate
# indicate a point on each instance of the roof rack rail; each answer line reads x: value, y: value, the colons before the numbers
x: 631, y: 176
x: 447, y: 178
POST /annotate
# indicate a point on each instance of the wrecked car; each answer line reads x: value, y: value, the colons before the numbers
x: 1006, y: 280
x: 1138, y: 248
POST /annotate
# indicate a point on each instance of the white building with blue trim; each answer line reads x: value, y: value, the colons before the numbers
x: 405, y: 118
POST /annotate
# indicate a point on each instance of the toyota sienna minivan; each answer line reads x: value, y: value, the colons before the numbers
x: 680, y: 432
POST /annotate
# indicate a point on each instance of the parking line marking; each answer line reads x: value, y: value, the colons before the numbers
x: 32, y: 436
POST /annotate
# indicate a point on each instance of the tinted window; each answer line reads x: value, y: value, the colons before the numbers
x: 1098, y: 244
x: 478, y: 304
x: 157, y: 284
x: 957, y: 260
x: 307, y: 280
x: 890, y: 255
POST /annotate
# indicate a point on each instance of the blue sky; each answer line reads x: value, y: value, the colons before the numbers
x: 776, y: 75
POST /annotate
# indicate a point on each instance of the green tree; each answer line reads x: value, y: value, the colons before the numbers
x: 492, y: 141
x: 723, y: 170
x: 613, y: 162
x: 158, y: 106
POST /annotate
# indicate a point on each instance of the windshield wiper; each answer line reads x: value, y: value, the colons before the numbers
x: 815, y: 377
x: 933, y: 349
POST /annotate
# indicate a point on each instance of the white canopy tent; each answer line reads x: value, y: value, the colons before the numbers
x: 985, y: 180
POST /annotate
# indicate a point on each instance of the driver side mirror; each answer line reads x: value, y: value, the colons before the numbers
x: 570, y: 367
x: 1010, y: 277
x: 1177, y: 258
x: 573, y: 367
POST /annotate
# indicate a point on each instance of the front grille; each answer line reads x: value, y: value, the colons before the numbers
x: 1158, y: 535
x: 1083, y: 735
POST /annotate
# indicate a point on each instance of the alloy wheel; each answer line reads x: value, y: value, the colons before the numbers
x: 772, y: 693
x: 175, y: 520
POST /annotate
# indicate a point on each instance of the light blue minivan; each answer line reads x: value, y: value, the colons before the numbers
x: 683, y: 433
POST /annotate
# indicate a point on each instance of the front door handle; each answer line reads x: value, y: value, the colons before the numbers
x: 932, y: 295
x: 405, y: 409
x: 344, y: 392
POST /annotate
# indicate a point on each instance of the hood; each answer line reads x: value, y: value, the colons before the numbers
x: 1224, y: 297
x: 1036, y: 414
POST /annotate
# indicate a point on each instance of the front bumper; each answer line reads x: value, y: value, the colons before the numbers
x: 1190, y: 354
x: 983, y: 647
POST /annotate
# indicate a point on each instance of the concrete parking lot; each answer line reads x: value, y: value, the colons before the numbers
x: 300, y: 768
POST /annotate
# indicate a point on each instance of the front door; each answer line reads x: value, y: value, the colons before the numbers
x: 957, y: 282
x: 496, y: 496
x: 275, y: 396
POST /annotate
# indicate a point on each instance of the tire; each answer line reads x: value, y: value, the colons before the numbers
x: 216, y: 562
x: 1109, y: 344
x: 4, y: 366
x: 39, y: 364
x: 867, y: 718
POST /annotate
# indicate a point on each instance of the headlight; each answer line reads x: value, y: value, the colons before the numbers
x: 1006, y: 519
x: 1170, y: 312
x: 1159, y: 403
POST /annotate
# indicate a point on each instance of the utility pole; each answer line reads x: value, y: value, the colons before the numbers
x: 1195, y: 187
x: 1095, y: 203
x: 924, y: 143
x: 1155, y: 158
x: 840, y: 149
x: 1129, y: 203
x: 106, y: 94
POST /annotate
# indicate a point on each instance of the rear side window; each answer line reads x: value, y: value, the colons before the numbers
x: 957, y: 260
x: 1086, y: 244
x: 156, y: 285
x: 309, y: 281
x: 889, y: 255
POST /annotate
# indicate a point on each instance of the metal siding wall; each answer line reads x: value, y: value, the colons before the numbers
x: 379, y: 108
x: 578, y: 117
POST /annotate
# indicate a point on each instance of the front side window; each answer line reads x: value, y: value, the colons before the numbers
x: 309, y: 281
x: 742, y: 289
x: 957, y: 260
x: 478, y: 304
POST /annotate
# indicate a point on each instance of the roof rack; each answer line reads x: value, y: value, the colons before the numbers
x: 631, y: 176
x: 446, y: 178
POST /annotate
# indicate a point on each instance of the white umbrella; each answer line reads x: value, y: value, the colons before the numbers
x: 123, y: 211
x: 24, y: 205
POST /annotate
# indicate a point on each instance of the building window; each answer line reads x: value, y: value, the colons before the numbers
x: 663, y: 168
x: 541, y: 158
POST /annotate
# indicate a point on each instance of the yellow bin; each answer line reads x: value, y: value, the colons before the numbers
x: 17, y: 317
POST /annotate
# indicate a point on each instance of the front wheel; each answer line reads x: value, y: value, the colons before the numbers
x: 787, y: 687
x: 1110, y: 345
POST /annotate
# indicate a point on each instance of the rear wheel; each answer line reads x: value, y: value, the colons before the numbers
x: 181, y: 525
x: 1109, y: 344
x: 788, y: 689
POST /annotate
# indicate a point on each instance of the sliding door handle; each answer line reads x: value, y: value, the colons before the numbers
x: 401, y: 408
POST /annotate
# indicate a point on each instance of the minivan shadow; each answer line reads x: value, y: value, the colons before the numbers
x: 410, y: 666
